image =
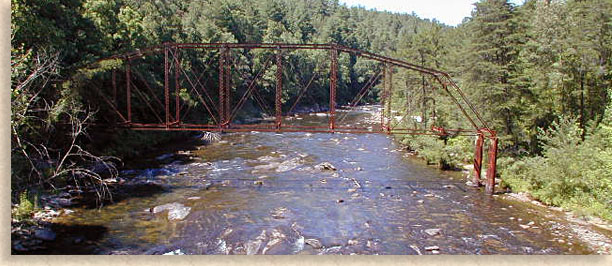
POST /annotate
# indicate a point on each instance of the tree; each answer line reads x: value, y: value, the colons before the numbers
x: 490, y: 68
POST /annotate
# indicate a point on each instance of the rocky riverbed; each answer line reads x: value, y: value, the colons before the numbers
x: 301, y: 193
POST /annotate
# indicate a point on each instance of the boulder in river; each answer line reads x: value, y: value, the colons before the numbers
x: 432, y: 248
x: 325, y: 166
x: 161, y: 208
x: 433, y: 231
x: 314, y: 243
x: 176, y: 211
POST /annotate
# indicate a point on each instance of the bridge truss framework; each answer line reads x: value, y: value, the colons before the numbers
x: 222, y: 113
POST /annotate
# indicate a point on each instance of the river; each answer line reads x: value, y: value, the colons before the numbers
x: 262, y: 193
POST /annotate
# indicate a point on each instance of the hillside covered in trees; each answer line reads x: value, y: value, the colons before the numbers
x: 540, y: 74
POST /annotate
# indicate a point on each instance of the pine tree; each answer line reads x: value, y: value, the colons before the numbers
x: 490, y: 66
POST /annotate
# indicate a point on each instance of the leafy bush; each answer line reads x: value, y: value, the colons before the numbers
x: 449, y: 155
x: 25, y: 208
x: 571, y: 173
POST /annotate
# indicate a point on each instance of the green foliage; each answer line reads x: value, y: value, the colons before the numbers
x: 449, y: 154
x: 25, y: 207
x: 572, y: 173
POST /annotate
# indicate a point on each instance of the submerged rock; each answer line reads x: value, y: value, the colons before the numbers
x: 279, y: 213
x: 252, y: 247
x: 164, y: 156
x: 266, y: 166
x: 289, y: 165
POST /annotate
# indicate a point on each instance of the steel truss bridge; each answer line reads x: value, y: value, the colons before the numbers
x: 167, y: 107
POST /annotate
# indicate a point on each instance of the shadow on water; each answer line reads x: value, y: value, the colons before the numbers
x: 74, y: 239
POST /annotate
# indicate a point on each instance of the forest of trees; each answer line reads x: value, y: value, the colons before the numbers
x: 540, y: 74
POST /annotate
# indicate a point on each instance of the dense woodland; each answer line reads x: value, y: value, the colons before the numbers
x: 539, y: 73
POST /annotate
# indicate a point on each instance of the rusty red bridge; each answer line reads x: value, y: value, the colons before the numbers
x: 166, y: 105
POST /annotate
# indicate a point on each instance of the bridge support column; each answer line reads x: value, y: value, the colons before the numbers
x: 114, y: 82
x: 222, y: 87
x: 478, y: 160
x: 389, y: 96
x: 228, y: 86
x: 279, y: 89
x: 383, y: 101
x: 491, y: 171
x: 177, y: 87
x: 167, y: 85
x: 333, y: 79
x: 128, y: 81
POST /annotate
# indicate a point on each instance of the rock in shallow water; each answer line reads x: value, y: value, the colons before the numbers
x: 179, y: 213
x: 175, y: 252
x: 316, y: 244
x: 176, y: 211
x: 45, y: 234
x: 279, y: 213
x: 325, y: 166
x: 161, y: 208
x: 432, y: 248
x: 289, y: 165
x: 433, y: 231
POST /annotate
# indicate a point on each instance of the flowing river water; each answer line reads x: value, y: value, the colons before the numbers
x: 262, y: 193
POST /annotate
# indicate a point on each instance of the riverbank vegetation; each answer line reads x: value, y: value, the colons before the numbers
x: 540, y: 74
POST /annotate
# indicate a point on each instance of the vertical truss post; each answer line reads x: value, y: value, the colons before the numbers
x: 167, y: 84
x: 389, y: 94
x: 279, y: 89
x: 114, y: 81
x: 478, y: 160
x: 177, y: 86
x: 128, y: 80
x: 491, y: 171
x: 228, y: 85
x: 384, y: 97
x: 222, y: 86
x: 333, y: 79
